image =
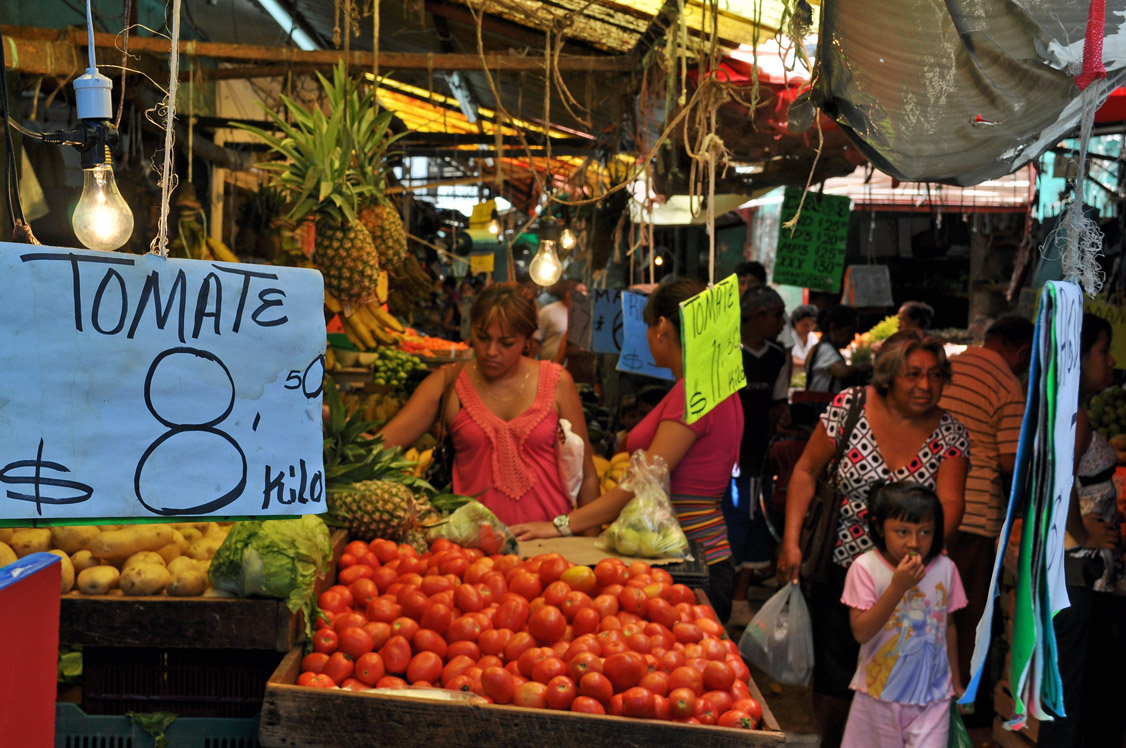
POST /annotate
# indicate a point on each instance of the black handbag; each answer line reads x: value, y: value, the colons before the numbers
x: 819, y: 527
x: 439, y: 473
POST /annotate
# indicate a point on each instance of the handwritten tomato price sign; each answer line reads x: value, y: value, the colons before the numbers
x: 713, y: 365
x: 150, y: 387
x: 606, y: 322
x: 635, y: 356
x: 812, y: 254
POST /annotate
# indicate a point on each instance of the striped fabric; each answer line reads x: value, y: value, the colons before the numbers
x: 701, y: 518
x: 988, y: 399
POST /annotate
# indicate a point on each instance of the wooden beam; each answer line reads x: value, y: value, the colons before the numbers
x: 50, y: 52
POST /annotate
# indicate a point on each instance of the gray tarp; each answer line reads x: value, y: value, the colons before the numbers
x: 960, y: 91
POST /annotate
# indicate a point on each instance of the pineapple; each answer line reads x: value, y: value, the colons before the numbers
x: 375, y: 509
x: 328, y: 173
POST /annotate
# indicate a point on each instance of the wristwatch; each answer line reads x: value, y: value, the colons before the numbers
x: 563, y: 524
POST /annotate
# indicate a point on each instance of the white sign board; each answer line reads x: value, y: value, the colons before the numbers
x: 147, y: 387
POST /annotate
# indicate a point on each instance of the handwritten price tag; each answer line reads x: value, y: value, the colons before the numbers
x: 606, y: 323
x: 635, y: 357
x: 151, y: 387
x: 812, y: 254
x: 713, y: 366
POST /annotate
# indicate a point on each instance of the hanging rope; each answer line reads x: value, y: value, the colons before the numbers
x: 160, y: 244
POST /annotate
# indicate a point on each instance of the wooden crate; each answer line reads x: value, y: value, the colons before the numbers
x: 186, y: 622
x: 301, y: 717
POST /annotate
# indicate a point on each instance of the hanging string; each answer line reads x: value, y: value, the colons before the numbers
x: 1083, y: 241
x: 161, y: 242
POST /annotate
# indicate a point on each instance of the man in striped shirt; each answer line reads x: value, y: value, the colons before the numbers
x: 987, y: 396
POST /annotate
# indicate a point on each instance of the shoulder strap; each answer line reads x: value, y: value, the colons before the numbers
x: 447, y: 385
x: 854, y: 410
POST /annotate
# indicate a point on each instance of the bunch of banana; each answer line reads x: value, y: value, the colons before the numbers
x: 409, y: 285
x: 422, y: 460
x: 615, y: 470
x: 366, y: 325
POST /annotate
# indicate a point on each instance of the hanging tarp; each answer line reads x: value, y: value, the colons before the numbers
x: 959, y: 91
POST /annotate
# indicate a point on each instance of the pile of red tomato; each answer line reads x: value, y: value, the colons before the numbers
x: 614, y: 639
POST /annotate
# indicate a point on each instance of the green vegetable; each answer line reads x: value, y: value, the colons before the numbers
x: 884, y: 329
x: 155, y: 724
x: 279, y: 558
x: 70, y: 664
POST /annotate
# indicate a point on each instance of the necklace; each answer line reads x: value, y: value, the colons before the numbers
x: 484, y: 386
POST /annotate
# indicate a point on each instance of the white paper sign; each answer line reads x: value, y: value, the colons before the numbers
x: 147, y: 387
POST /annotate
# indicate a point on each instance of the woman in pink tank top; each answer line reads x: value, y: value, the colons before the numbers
x: 502, y: 413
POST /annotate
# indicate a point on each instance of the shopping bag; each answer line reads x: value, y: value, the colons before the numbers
x: 959, y: 736
x: 779, y: 639
x: 647, y: 525
x: 569, y: 453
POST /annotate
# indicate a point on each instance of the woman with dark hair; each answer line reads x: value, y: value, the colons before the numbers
x: 502, y: 411
x: 915, y: 315
x: 700, y: 456
x: 803, y: 319
x: 1088, y: 636
x: 901, y: 434
x: 825, y: 368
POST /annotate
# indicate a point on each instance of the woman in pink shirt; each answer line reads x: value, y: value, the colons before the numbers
x: 700, y: 456
x: 502, y: 412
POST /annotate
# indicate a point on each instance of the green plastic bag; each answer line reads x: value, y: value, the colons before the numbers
x: 959, y: 737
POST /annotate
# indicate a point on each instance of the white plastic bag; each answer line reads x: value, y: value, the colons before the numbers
x: 779, y: 639
x: 569, y: 453
x: 647, y: 526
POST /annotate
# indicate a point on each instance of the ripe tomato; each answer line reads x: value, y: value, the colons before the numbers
x: 583, y: 643
x: 467, y: 648
x: 384, y: 550
x: 638, y: 702
x: 352, y: 573
x: 455, y: 667
x: 548, y: 668
x: 492, y: 641
x: 405, y: 627
x: 705, y: 712
x: 656, y: 681
x: 606, y: 604
x: 587, y: 705
x: 555, y: 593
x: 339, y: 667
x: 498, y: 684
x: 640, y: 643
x: 425, y: 666
x: 305, y: 677
x: 561, y: 692
x: 356, y: 548
x: 597, y: 686
x: 687, y: 632
x: 660, y: 611
x: 704, y: 611
x: 574, y: 602
x: 586, y: 621
x: 380, y: 633
x: 721, y: 700
x: 343, y: 591
x: 396, y: 654
x: 383, y: 609
x: 331, y: 600
x: 325, y: 641
x: 718, y: 676
x: 468, y: 598
x: 687, y: 676
x: 426, y: 640
x: 320, y: 680
x: 369, y: 668
x: 464, y: 628
x: 496, y: 583
x: 355, y: 641
x: 750, y: 706
x: 671, y: 660
x: 437, y: 616
x: 682, y: 702
x: 390, y: 681
x: 681, y: 593
x: 710, y: 627
x: 633, y: 600
x: 519, y: 643
x: 314, y: 662
x: 384, y: 578
x: 348, y: 618
x: 737, y: 719
x: 531, y: 694
x: 739, y: 668
x: 610, y: 571
x: 712, y: 649
x: 580, y: 578
x: 324, y: 620
x: 547, y: 624
x: 553, y: 567
x: 527, y: 586
x: 624, y: 669
x: 512, y: 613
x: 583, y: 663
x: 529, y: 658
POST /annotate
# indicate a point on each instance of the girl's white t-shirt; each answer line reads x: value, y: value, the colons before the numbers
x: 906, y: 661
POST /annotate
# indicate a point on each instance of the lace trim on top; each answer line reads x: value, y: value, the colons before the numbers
x: 510, y: 476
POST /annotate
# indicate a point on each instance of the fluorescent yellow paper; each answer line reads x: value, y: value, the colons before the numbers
x: 713, y: 366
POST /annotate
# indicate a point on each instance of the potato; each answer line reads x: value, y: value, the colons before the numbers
x: 116, y: 545
x: 6, y: 534
x: 98, y: 580
x: 107, y: 528
x: 7, y: 555
x: 175, y: 548
x: 67, y: 581
x: 215, y: 592
x: 71, y: 539
x: 144, y: 579
x: 143, y: 557
x: 190, y: 534
x: 83, y: 560
x: 188, y: 583
x: 30, y: 540
x: 204, y: 548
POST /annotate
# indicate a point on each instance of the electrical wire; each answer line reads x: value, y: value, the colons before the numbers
x: 15, y: 209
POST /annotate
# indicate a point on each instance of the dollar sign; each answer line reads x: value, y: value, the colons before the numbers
x: 38, y: 480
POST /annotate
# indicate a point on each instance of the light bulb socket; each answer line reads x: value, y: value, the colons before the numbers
x: 94, y: 140
x: 92, y: 95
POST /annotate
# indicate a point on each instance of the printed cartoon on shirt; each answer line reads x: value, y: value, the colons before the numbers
x: 913, y: 663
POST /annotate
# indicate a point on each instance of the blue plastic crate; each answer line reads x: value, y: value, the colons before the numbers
x: 75, y: 728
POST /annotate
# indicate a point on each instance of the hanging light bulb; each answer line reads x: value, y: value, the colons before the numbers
x: 568, y: 240
x: 658, y: 260
x: 494, y: 224
x: 546, y: 269
x: 102, y: 219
